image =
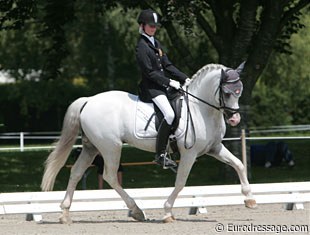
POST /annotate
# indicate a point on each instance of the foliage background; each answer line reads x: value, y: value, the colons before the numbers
x: 100, y: 56
x: 281, y: 96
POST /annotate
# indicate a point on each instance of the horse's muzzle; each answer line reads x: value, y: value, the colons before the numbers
x: 234, y: 119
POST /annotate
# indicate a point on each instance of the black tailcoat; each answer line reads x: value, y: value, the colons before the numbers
x: 156, y: 69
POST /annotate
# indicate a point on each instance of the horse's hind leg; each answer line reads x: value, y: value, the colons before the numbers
x: 224, y: 155
x: 82, y: 163
x: 111, y: 163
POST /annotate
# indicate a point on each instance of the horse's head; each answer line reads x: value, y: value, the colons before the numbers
x: 230, y: 90
x: 227, y: 87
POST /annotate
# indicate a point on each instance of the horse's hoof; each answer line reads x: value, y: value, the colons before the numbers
x: 65, y: 220
x: 137, y: 215
x: 169, y: 219
x: 250, y: 203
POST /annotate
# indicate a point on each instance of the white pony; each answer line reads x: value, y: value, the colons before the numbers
x: 108, y: 120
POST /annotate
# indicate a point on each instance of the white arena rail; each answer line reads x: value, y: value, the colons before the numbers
x: 153, y: 198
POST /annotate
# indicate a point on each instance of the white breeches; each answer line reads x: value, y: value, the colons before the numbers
x: 163, y: 104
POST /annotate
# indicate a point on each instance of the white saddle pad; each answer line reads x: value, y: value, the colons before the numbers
x: 144, y: 112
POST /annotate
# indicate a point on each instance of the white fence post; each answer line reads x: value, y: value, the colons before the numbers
x: 21, y: 141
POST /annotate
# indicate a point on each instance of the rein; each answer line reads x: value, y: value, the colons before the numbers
x: 233, y: 111
x: 189, y: 119
x: 201, y: 100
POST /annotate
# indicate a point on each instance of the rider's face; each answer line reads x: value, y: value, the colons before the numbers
x: 150, y: 30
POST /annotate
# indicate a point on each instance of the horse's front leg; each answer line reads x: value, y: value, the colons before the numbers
x: 221, y: 153
x: 185, y: 166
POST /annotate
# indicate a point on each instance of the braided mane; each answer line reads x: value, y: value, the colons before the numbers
x: 206, y: 69
x: 201, y: 73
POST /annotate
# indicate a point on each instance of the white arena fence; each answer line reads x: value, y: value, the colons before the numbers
x: 53, y: 136
x: 292, y: 194
x: 21, y: 137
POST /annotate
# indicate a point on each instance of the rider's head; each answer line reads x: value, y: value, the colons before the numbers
x: 148, y: 20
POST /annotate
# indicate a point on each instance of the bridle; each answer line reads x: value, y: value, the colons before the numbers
x: 227, y: 111
x: 224, y: 89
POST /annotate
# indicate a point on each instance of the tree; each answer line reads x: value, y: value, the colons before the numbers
x: 284, y: 86
x: 15, y: 31
x: 102, y: 48
x: 200, y: 32
x: 14, y: 13
x: 21, y: 52
x: 239, y: 30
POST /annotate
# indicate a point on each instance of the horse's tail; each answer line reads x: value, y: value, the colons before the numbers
x: 60, y: 154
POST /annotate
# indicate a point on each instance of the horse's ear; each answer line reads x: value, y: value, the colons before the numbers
x: 224, y: 75
x: 240, y: 67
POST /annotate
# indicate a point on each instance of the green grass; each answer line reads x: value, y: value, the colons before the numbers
x: 23, y: 171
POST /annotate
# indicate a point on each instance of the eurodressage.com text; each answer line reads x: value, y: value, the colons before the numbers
x: 261, y: 228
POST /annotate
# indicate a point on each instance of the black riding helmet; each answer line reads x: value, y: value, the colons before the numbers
x: 149, y: 17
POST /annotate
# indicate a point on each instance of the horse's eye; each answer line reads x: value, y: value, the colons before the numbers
x: 227, y: 95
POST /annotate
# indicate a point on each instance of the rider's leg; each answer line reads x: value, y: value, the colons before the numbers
x: 164, y: 131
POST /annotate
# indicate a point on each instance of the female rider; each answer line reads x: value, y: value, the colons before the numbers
x: 158, y: 73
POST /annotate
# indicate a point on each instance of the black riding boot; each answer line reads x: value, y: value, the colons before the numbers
x: 161, y: 146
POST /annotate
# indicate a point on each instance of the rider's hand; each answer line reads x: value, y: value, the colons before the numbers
x: 175, y: 84
x: 187, y: 82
